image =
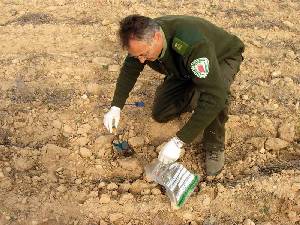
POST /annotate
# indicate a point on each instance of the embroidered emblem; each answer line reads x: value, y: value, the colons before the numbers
x: 200, y: 67
x: 180, y: 46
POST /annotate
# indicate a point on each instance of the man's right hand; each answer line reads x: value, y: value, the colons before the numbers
x: 112, y: 118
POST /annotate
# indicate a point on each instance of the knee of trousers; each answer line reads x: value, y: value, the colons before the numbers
x: 159, y: 117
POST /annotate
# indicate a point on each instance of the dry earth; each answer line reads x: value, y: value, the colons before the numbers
x: 59, y: 63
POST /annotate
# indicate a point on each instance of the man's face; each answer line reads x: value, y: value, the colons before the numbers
x: 146, y: 50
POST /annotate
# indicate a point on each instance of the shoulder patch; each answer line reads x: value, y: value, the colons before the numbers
x: 200, y: 67
x: 180, y: 46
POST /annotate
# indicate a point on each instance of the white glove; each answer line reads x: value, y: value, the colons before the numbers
x: 171, y: 151
x: 112, y: 118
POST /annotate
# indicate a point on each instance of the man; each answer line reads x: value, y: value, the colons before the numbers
x: 200, y: 61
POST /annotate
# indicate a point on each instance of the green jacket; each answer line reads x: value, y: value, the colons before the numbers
x: 188, y: 39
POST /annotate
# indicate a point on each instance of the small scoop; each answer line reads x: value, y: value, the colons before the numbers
x: 123, y: 148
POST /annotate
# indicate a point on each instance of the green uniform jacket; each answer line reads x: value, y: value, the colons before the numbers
x: 188, y: 39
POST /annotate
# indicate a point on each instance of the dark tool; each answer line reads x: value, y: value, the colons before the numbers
x: 123, y: 148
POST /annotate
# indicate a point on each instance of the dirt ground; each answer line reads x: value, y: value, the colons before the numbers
x: 59, y: 61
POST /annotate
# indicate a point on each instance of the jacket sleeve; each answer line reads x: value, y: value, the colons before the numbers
x: 129, y: 73
x: 203, y: 67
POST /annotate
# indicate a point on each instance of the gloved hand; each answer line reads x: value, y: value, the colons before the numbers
x: 171, y: 151
x: 112, y: 118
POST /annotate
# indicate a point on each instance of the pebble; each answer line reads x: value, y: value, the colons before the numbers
x: 56, y: 124
x: 61, y: 188
x: 288, y: 24
x: 1, y: 174
x: 136, y: 142
x: 115, y: 216
x: 124, y: 187
x: 248, y: 222
x: 131, y: 164
x: 23, y: 164
x: 155, y: 191
x: 101, y: 184
x: 102, y: 222
x: 292, y: 215
x: 112, y: 186
x: 138, y: 186
x: 276, y: 73
x: 206, y: 201
x: 104, y: 140
x: 84, y: 129
x: 104, y: 199
x: 287, y: 131
x: 102, y: 61
x: 146, y: 192
x: 275, y: 144
x: 106, y: 22
x: 68, y: 129
x: 126, y: 197
x: 85, y: 152
x: 93, y: 88
x: 81, y: 141
x: 113, y: 68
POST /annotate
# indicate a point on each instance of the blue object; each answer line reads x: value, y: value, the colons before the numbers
x: 137, y: 104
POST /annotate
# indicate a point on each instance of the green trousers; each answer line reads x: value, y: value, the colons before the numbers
x: 175, y: 96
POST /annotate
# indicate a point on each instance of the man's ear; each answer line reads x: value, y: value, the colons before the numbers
x: 157, y: 36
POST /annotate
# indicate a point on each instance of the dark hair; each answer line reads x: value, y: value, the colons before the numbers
x: 136, y: 27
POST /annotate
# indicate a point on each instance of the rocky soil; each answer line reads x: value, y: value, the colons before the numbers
x: 59, y: 61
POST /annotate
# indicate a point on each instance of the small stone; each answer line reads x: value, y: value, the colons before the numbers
x: 124, y: 187
x: 131, y: 164
x: 115, y: 216
x: 245, y: 97
x: 288, y: 24
x: 156, y: 191
x: 126, y: 197
x: 84, y: 96
x: 56, y: 124
x: 106, y: 22
x: 292, y: 215
x: 146, y: 192
x: 138, y: 186
x: 23, y: 164
x: 112, y: 186
x: 102, y: 222
x: 61, y: 188
x: 206, y: 201
x: 114, y: 193
x: 248, y: 222
x: 104, y: 140
x: 93, y: 88
x: 287, y: 131
x: 295, y: 187
x: 136, y: 142
x: 1, y: 174
x: 85, y: 152
x: 275, y: 144
x: 68, y: 129
x: 257, y: 142
x: 84, y: 129
x: 101, y: 184
x: 81, y: 141
x: 276, y: 73
x: 113, y: 68
x: 78, y: 181
x: 210, y: 221
x: 104, y: 199
x: 102, y: 61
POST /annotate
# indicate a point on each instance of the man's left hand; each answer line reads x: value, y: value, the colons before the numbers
x: 171, y: 151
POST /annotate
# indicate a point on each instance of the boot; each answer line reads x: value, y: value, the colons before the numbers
x: 214, y: 162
